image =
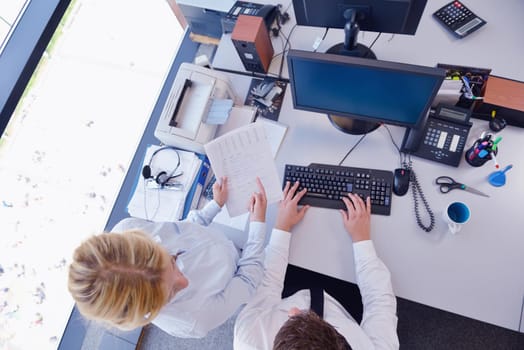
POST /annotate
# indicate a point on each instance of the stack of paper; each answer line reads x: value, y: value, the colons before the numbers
x: 153, y: 202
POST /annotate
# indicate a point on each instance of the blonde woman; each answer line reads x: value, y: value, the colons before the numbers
x: 184, y: 277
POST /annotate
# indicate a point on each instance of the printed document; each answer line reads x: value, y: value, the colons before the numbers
x: 242, y: 155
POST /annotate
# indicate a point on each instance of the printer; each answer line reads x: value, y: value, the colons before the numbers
x: 183, y: 121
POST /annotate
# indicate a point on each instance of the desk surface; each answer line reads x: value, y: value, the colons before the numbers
x: 476, y: 273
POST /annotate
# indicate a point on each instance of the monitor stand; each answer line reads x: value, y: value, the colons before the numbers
x: 352, y: 126
x: 358, y: 51
x: 350, y: 47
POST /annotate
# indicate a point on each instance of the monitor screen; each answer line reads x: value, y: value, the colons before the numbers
x: 387, y: 16
x: 367, y: 90
x: 383, y: 16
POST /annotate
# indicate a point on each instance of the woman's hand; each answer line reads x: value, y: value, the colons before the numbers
x: 220, y: 191
x: 258, y: 203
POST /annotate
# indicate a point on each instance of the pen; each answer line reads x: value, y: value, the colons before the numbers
x: 466, y: 84
x: 483, y: 145
x: 473, y: 154
x: 469, y: 93
x: 495, y: 160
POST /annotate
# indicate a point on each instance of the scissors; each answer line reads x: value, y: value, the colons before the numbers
x: 447, y: 184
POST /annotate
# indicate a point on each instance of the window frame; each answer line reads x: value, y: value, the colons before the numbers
x: 22, y: 52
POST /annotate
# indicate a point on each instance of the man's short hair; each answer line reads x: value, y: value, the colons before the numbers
x: 307, y: 330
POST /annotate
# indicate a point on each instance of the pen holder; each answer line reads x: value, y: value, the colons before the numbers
x: 473, y: 158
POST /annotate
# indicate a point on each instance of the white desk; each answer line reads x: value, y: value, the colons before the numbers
x: 476, y: 273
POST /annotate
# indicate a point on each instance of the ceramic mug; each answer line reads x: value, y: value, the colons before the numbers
x: 455, y: 215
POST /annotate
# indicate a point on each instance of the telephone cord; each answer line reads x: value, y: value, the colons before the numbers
x: 417, y: 192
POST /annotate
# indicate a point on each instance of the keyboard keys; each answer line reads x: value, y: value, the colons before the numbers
x: 327, y: 184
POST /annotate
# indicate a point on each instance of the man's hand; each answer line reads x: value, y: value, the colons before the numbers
x: 258, y: 203
x: 288, y: 213
x: 357, y: 218
x: 220, y: 191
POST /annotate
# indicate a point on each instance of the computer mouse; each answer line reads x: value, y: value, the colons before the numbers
x: 401, y: 181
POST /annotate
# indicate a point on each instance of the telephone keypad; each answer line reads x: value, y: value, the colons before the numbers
x: 443, y: 141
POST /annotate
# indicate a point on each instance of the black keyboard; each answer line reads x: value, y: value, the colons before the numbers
x: 326, y: 184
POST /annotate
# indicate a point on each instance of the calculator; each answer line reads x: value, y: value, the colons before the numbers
x: 460, y: 20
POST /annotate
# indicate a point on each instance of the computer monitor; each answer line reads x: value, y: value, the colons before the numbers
x: 360, y: 94
x: 386, y: 16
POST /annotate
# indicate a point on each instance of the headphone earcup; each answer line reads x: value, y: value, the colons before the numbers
x: 146, y: 172
x: 161, y: 178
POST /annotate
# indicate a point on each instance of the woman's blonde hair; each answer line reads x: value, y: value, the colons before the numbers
x: 117, y: 279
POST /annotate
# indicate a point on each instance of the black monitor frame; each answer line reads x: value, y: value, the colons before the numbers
x: 360, y: 124
x: 384, y: 16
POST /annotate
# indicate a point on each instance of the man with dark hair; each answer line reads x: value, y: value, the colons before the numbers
x: 269, y: 321
x: 306, y: 330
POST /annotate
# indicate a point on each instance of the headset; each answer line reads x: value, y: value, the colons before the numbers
x: 162, y: 178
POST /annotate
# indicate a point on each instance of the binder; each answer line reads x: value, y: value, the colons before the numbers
x: 195, y: 193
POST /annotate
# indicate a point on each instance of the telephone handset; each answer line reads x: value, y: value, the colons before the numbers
x: 443, y: 138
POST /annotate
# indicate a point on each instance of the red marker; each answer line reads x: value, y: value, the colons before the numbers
x: 495, y: 160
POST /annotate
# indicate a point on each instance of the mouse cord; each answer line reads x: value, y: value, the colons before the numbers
x: 396, y: 146
x: 417, y: 193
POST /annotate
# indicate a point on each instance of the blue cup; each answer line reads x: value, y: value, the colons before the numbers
x: 456, y: 214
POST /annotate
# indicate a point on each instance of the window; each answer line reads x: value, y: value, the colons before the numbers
x: 66, y: 148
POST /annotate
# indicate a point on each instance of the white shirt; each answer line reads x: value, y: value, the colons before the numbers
x: 261, y: 319
x: 220, y: 280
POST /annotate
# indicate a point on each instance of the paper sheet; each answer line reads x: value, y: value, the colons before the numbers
x: 275, y: 133
x: 242, y: 155
x: 219, y: 111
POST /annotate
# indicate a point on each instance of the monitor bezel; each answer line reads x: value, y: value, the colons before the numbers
x: 436, y: 72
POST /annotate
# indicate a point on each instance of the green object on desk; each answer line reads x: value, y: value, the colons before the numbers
x: 497, y: 140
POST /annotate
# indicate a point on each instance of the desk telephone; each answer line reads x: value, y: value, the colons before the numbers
x: 443, y: 137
